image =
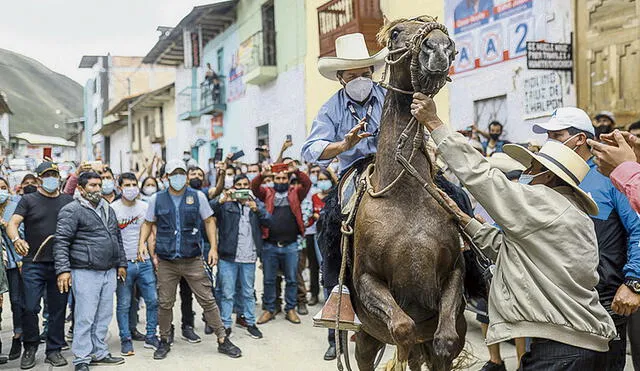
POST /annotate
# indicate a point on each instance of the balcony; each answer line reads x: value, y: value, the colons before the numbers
x: 340, y: 17
x: 195, y: 101
x: 259, y: 58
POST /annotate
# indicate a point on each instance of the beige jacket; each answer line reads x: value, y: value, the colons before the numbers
x: 546, y: 254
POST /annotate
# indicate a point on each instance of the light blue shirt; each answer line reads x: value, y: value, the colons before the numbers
x: 334, y: 121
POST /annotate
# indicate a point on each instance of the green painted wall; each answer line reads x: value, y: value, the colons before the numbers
x: 290, y: 28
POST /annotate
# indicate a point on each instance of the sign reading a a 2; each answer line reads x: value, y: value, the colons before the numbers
x: 520, y: 32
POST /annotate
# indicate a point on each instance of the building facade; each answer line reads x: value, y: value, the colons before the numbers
x: 5, y: 112
x: 115, y: 78
x: 491, y: 78
x: 608, y: 56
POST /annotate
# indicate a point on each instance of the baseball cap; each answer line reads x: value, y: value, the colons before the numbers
x: 607, y: 114
x: 174, y: 165
x: 47, y: 166
x: 564, y: 118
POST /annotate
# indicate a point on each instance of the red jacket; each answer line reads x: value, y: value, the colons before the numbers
x: 295, y: 196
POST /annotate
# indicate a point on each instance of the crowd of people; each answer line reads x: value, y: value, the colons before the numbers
x: 560, y: 222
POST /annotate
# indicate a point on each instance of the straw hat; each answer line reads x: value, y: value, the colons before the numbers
x: 351, y: 53
x: 504, y: 163
x: 561, y: 161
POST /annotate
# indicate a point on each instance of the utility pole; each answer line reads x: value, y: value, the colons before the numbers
x: 129, y: 125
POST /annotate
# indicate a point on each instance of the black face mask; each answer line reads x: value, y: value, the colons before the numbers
x: 195, y: 183
x: 281, y: 187
x: 604, y: 129
x: 29, y: 189
x: 494, y: 136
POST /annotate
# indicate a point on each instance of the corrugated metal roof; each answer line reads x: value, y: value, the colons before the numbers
x: 212, y: 18
x: 44, y: 139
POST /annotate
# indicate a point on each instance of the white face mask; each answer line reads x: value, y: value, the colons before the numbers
x: 228, y: 182
x: 149, y: 190
x: 565, y: 142
x: 359, y: 88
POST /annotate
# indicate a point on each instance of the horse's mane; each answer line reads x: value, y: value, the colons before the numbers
x: 383, y: 34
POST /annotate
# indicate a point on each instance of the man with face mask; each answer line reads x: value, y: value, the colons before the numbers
x: 493, y: 144
x: 29, y: 184
x: 347, y: 124
x: 89, y: 225
x: 280, y: 249
x: 38, y: 212
x: 177, y: 214
x: 546, y: 253
x: 617, y: 228
x: 240, y: 238
x: 108, y: 185
x: 604, y: 123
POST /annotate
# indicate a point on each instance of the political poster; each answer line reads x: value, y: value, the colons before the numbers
x: 487, y: 32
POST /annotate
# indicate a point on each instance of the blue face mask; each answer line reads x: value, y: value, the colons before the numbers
x: 50, y: 184
x: 4, y: 195
x: 324, y: 185
x: 528, y: 178
x: 251, y: 176
x: 107, y: 186
x: 178, y: 181
x: 314, y: 179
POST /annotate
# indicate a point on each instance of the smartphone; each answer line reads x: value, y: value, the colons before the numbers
x: 289, y: 138
x: 242, y: 194
x: 237, y: 155
x: 279, y: 168
x: 218, y: 155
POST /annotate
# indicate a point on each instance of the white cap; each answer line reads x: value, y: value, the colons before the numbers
x: 607, y: 114
x: 174, y: 165
x: 564, y: 118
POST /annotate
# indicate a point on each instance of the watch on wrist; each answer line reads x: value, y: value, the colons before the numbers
x: 633, y: 284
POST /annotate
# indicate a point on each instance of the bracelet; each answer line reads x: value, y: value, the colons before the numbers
x: 15, y: 239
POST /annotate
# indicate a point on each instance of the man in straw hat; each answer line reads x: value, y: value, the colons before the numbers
x: 347, y: 124
x: 617, y: 228
x: 546, y: 253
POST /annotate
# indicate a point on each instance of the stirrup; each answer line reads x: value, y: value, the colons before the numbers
x: 326, y: 318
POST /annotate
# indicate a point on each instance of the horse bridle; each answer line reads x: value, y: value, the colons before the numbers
x: 412, y: 48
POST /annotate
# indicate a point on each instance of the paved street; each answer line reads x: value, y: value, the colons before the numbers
x: 285, y: 346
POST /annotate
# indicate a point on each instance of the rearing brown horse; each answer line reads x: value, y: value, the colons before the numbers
x: 408, y: 269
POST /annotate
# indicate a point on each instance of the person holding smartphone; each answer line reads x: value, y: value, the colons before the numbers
x: 239, y: 216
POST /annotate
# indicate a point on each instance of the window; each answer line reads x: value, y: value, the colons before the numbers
x: 262, y: 139
x: 269, y: 34
x: 146, y: 126
x: 221, y: 61
x: 490, y: 109
x: 107, y: 149
x: 339, y: 17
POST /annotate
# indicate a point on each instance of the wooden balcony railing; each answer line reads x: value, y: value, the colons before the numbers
x: 339, y: 17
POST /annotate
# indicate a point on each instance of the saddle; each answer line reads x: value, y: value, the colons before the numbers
x: 348, y: 185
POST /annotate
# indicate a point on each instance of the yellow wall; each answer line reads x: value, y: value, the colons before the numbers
x: 318, y: 89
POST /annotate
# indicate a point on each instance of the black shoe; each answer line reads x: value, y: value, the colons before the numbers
x: 227, y: 331
x: 229, y: 349
x: 254, y: 332
x: 109, y: 360
x: 163, y: 350
x: 302, y: 309
x: 313, y: 300
x: 172, y: 334
x: 490, y: 366
x: 3, y: 359
x: 82, y: 367
x: 241, y: 321
x: 189, y: 335
x: 56, y: 359
x: 16, y: 349
x: 28, y: 358
x: 208, y: 330
x: 136, y: 335
x: 330, y: 354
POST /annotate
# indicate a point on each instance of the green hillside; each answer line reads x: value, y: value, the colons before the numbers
x: 34, y: 94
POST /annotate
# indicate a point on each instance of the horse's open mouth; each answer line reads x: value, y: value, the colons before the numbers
x: 431, y: 82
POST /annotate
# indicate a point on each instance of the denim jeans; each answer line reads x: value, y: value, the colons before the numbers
x: 93, y: 292
x: 230, y: 274
x: 141, y: 275
x: 15, y: 297
x: 40, y: 279
x: 286, y: 258
x: 551, y: 355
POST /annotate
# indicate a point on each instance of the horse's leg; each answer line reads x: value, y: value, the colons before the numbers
x: 378, y: 301
x: 367, y: 348
x: 447, y: 340
x: 416, y: 359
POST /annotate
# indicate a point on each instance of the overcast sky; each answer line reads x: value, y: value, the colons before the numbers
x: 58, y: 33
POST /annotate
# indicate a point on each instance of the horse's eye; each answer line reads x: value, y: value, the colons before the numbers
x: 395, y: 34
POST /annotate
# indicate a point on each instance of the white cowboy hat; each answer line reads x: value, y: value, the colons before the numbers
x: 351, y: 53
x: 561, y: 161
x: 504, y: 163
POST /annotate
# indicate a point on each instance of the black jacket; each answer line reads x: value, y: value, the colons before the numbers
x: 228, y: 219
x: 84, y: 241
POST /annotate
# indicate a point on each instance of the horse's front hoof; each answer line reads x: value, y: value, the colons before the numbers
x: 403, y: 331
x: 445, y: 346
